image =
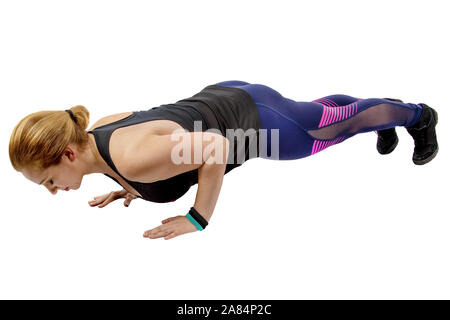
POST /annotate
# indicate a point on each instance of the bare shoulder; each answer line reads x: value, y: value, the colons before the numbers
x: 160, y: 157
x: 130, y: 153
x: 108, y: 119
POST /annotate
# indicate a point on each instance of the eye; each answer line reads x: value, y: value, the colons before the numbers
x: 51, y: 181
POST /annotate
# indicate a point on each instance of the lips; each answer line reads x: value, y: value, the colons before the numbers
x: 66, y: 189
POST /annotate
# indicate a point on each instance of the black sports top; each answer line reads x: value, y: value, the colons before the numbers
x: 216, y: 107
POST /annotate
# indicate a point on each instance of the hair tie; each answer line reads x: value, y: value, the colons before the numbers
x: 71, y: 115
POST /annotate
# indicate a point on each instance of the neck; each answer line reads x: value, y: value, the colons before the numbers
x: 92, y: 159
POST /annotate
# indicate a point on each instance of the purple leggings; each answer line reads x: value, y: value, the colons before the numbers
x: 306, y: 128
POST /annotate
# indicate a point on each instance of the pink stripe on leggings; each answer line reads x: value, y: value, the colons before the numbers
x: 332, y: 102
x: 332, y: 113
x: 319, y: 145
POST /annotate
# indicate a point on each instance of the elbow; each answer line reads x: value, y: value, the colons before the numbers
x: 220, y: 154
x: 226, y: 150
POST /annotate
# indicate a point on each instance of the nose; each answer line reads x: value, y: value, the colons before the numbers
x: 53, y: 190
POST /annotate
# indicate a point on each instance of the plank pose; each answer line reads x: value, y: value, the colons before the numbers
x: 158, y: 154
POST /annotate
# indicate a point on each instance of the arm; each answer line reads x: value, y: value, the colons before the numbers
x: 162, y: 157
x: 210, y: 177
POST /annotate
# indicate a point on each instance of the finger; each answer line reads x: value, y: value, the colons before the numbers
x: 102, y: 197
x: 111, y: 197
x: 122, y: 193
x: 148, y: 232
x: 159, y: 234
x: 170, y: 236
x: 156, y: 232
x: 94, y: 202
x: 168, y: 220
x: 126, y: 203
x: 99, y: 199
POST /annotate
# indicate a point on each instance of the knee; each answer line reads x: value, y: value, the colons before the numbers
x: 340, y: 99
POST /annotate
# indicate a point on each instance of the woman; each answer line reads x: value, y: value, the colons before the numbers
x: 141, y: 150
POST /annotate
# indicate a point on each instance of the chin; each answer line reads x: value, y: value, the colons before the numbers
x: 77, y: 186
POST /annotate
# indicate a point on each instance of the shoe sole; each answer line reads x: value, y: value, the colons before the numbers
x: 433, y: 155
x: 390, y: 149
x: 424, y: 161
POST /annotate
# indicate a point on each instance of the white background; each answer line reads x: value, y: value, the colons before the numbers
x: 346, y: 223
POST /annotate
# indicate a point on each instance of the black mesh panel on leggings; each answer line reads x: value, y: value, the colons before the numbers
x: 371, y: 118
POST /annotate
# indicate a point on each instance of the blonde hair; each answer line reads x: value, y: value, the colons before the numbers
x: 39, y: 139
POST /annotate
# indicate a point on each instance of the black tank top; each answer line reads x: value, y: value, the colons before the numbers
x: 216, y: 107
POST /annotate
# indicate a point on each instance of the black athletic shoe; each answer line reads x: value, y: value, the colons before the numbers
x: 387, y: 139
x: 424, y: 134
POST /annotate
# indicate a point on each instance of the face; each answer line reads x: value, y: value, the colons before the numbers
x: 66, y: 174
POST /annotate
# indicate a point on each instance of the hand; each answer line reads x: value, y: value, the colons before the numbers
x: 105, y: 199
x: 170, y: 228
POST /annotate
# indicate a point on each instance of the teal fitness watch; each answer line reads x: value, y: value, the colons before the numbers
x: 196, y: 219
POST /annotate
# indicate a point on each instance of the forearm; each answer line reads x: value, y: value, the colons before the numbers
x: 210, y: 177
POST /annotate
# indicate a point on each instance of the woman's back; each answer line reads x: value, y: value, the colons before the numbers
x: 214, y: 107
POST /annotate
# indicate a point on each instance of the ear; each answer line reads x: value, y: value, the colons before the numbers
x: 69, y: 153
